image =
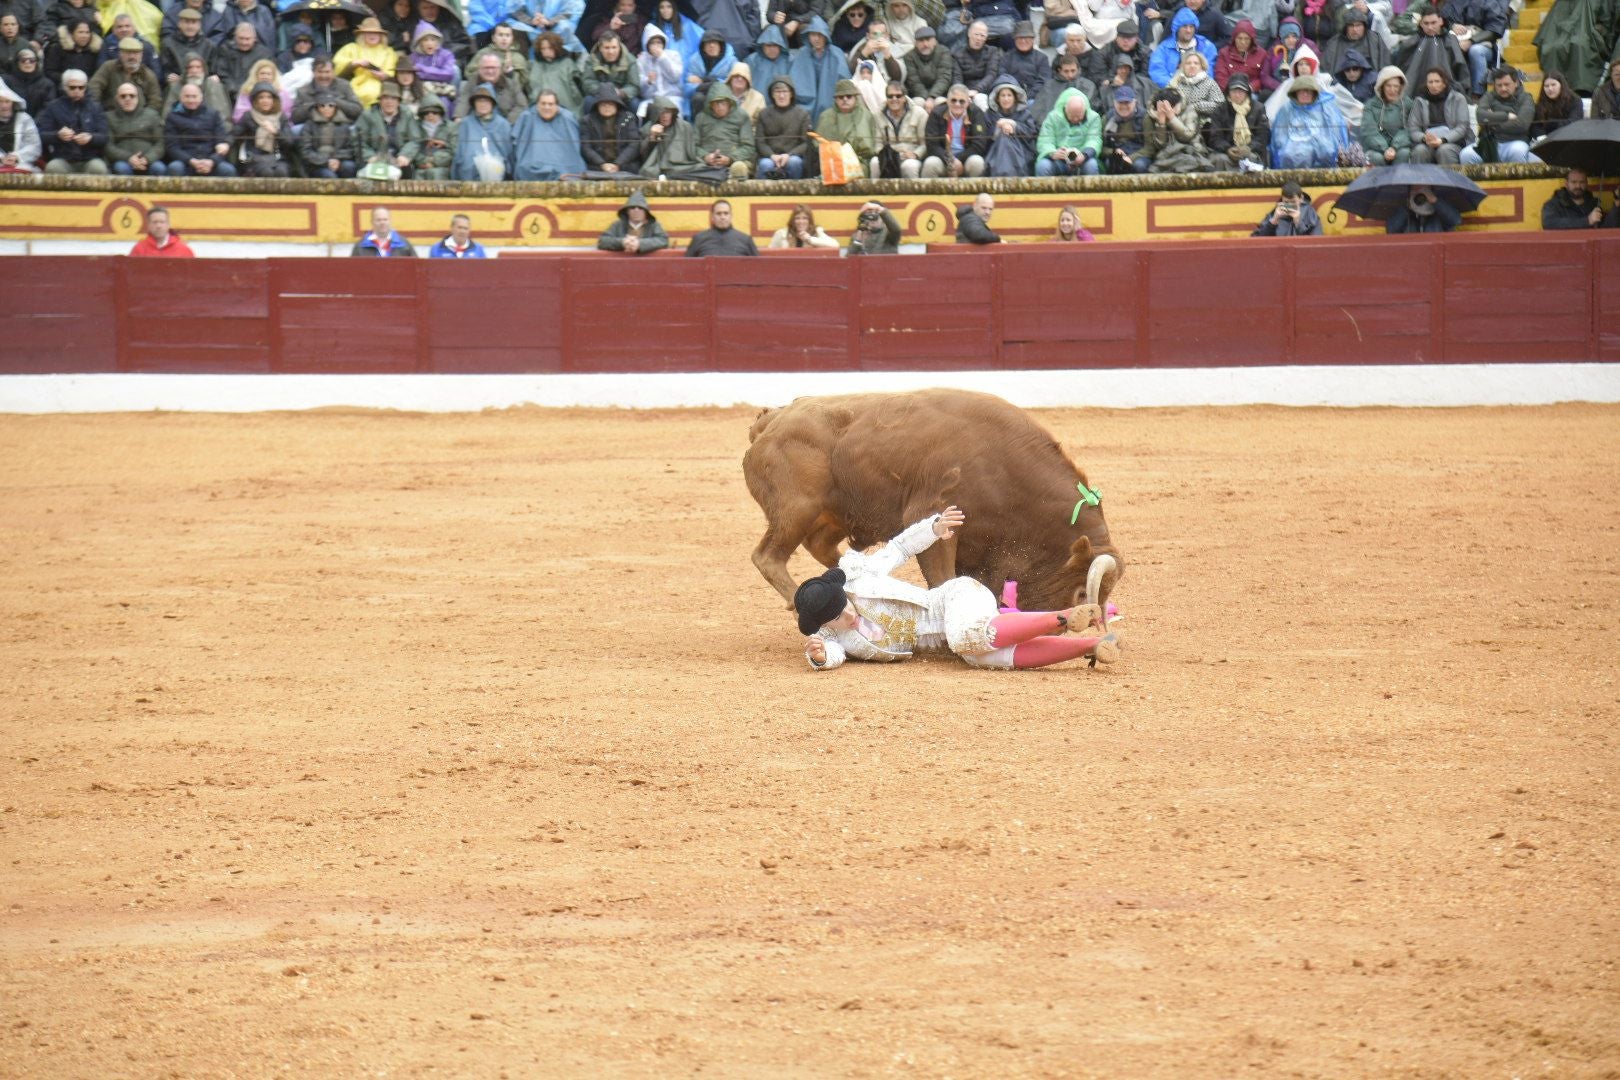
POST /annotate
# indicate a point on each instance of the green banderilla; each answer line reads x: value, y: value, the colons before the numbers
x: 1087, y: 498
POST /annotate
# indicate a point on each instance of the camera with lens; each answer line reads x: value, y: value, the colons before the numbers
x: 870, y: 220
x: 1074, y: 157
x: 1420, y: 199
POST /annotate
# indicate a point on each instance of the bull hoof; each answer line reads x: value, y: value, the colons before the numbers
x: 1106, y: 650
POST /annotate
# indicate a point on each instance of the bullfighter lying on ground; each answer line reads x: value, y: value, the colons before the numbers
x: 858, y: 609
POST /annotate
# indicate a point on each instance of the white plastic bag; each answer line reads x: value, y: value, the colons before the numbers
x: 491, y: 169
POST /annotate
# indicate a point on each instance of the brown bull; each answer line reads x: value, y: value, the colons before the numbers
x: 864, y: 466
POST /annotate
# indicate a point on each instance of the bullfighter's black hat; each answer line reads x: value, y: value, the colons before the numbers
x: 820, y: 600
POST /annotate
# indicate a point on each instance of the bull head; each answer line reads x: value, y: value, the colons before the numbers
x: 1101, y: 572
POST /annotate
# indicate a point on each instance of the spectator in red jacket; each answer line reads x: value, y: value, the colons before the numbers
x: 1243, y: 55
x: 160, y: 242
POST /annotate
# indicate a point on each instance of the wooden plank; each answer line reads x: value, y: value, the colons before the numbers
x: 192, y: 359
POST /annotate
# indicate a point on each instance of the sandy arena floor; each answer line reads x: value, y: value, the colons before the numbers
x: 355, y: 744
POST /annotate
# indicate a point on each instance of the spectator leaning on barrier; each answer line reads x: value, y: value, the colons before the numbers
x: 877, y: 232
x: 20, y: 147
x: 73, y: 129
x: 634, y: 231
x: 1572, y: 206
x: 720, y: 238
x: 459, y: 244
x: 1293, y: 216
x: 801, y: 231
x: 382, y: 241
x: 1069, y: 230
x: 161, y: 242
x: 973, y: 222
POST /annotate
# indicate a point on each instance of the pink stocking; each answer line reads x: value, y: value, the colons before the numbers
x: 1017, y: 627
x: 1044, y: 651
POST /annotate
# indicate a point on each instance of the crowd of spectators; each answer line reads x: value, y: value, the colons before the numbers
x: 531, y: 90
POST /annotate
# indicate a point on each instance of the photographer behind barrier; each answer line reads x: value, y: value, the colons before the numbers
x: 877, y: 232
x: 1294, y: 215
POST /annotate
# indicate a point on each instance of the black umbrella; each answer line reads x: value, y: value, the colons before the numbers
x: 1592, y: 146
x: 351, y: 7
x: 1379, y: 192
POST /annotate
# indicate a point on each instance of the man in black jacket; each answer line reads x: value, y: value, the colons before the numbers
x: 720, y: 238
x: 73, y: 129
x: 957, y: 137
x: 1572, y: 206
x: 973, y: 222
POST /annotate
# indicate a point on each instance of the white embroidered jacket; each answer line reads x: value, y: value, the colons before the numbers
x: 895, y: 620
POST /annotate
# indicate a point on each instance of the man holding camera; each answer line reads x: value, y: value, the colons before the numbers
x: 877, y: 232
x: 1293, y: 216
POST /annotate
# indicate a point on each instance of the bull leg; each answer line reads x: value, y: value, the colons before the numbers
x: 824, y: 538
x: 794, y: 526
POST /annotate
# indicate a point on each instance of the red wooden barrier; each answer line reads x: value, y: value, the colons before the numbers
x: 1400, y: 300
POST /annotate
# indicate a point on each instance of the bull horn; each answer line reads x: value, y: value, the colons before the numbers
x: 1101, y: 567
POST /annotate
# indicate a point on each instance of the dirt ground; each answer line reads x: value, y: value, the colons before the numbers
x: 365, y: 744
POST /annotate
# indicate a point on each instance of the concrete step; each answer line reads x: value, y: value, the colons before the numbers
x: 1520, y: 53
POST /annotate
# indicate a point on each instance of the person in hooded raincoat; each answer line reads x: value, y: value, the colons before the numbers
x: 545, y: 142
x: 767, y: 68
x: 1013, y: 130
x: 1576, y: 37
x: 1072, y: 126
x: 736, y: 20
x: 668, y: 143
x: 482, y: 129
x: 817, y: 67
x: 713, y: 64
x: 635, y: 230
x: 609, y: 137
x: 725, y: 135
x: 1183, y: 36
x: 1383, y: 132
x: 681, y: 34
x: 1309, y: 130
x: 661, y: 68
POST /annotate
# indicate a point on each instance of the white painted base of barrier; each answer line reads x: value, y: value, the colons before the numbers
x: 1405, y: 385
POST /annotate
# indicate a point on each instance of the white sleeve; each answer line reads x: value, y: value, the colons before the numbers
x: 835, y: 655
x: 909, y: 544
